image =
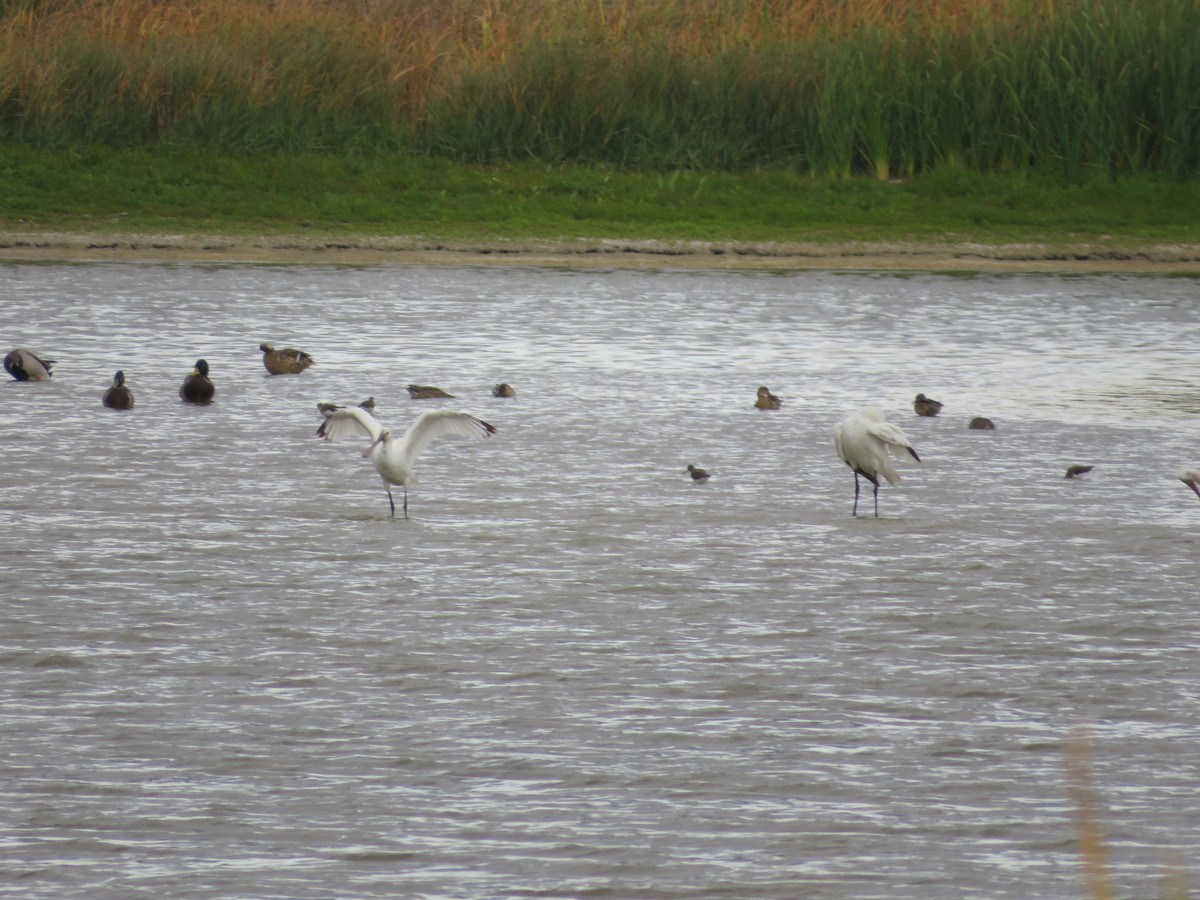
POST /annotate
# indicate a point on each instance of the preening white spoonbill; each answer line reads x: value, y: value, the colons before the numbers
x: 393, y: 458
x: 865, y: 442
x: 24, y: 366
x: 1191, y: 477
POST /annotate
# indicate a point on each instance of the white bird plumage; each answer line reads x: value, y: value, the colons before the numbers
x: 866, y: 442
x: 1191, y: 477
x: 394, y: 458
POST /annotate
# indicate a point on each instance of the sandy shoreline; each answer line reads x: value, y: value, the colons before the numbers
x: 964, y: 257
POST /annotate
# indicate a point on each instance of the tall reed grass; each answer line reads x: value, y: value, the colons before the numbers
x: 820, y: 86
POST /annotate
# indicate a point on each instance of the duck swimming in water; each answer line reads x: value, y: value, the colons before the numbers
x: 24, y: 366
x: 767, y: 400
x: 427, y: 392
x: 197, y: 388
x: 118, y: 396
x: 287, y: 361
x: 924, y: 406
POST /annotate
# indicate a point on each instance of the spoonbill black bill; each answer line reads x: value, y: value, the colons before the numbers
x: 394, y: 459
x: 24, y: 366
x: 118, y: 395
x: 866, y: 443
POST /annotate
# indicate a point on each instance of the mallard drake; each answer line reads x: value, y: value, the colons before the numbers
x: 767, y: 400
x: 118, y: 395
x: 196, y: 388
x: 923, y: 406
x: 22, y: 365
x: 287, y: 361
x: 426, y: 392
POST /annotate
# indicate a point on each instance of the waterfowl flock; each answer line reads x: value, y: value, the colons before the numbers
x: 393, y: 457
x: 865, y: 441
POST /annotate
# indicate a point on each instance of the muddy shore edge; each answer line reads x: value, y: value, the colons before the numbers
x: 953, y: 257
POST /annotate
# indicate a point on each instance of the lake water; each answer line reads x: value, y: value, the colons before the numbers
x: 227, y: 672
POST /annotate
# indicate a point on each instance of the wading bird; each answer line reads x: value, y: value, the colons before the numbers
x: 196, y: 388
x: 698, y: 475
x: 981, y: 423
x: 24, y: 366
x: 427, y: 392
x: 924, y: 406
x: 393, y: 458
x: 865, y: 443
x: 328, y: 409
x: 1191, y: 477
x: 287, y: 361
x: 118, y: 396
x: 767, y: 400
x: 1076, y: 471
x: 504, y: 389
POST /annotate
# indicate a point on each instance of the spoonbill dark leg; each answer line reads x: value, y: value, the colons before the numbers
x: 391, y: 502
x: 855, y: 511
x: 406, y: 501
x: 877, y: 499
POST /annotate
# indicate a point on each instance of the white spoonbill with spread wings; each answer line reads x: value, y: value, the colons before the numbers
x: 394, y: 458
x: 865, y: 443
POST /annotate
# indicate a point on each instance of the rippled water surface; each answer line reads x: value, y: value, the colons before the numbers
x: 226, y: 672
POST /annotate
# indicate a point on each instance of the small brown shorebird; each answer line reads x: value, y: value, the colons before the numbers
x: 426, y: 392
x: 328, y: 409
x: 288, y: 361
x: 503, y: 389
x: 924, y: 406
x: 982, y: 423
x: 698, y: 475
x: 767, y: 400
x: 1076, y: 471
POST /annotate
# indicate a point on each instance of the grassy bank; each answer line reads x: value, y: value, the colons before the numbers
x: 200, y: 192
x: 1066, y: 88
